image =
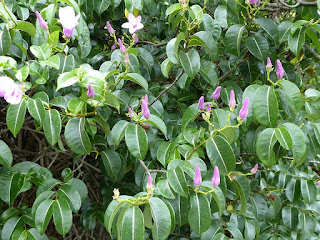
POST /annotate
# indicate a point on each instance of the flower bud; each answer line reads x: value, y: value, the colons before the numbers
x: 130, y: 113
x: 91, y: 92
x: 42, y: 22
x: 110, y: 29
x: 122, y: 47
x: 254, y: 169
x: 145, y: 109
x: 232, y: 101
x: 245, y: 109
x: 269, y: 64
x: 280, y: 71
x: 216, y: 93
x: 216, y: 177
x: 201, y: 103
x: 208, y: 108
x: 116, y: 194
x: 197, y: 177
x: 150, y: 187
x: 318, y: 183
x: 126, y: 61
x: 114, y: 46
x: 135, y: 37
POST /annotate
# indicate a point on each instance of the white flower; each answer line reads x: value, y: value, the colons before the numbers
x: 134, y: 24
x: 10, y: 90
x: 68, y: 20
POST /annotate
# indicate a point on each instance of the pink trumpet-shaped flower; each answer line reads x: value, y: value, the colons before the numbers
x: 130, y: 113
x: 253, y: 1
x: 197, y: 177
x: 254, y: 169
x: 280, y: 71
x: 318, y: 183
x: 201, y: 103
x: 126, y: 61
x: 122, y: 47
x: 42, y: 22
x: 216, y: 93
x: 232, y: 101
x: 269, y: 64
x: 216, y: 177
x: 68, y: 20
x: 145, y: 108
x: 91, y: 92
x: 10, y: 90
x: 134, y: 23
x: 110, y: 29
x: 245, y: 109
x: 208, y: 108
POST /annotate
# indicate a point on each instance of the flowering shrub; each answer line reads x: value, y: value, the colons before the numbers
x: 159, y: 120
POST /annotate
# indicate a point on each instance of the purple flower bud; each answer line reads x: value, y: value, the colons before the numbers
x: 126, y: 61
x: 42, y: 22
x: 197, y: 177
x: 216, y: 177
x: 232, y: 101
x: 149, y: 184
x: 130, y: 113
x: 110, y: 29
x: 114, y: 46
x: 122, y: 47
x: 216, y: 93
x: 318, y: 183
x: 269, y: 64
x: 253, y: 1
x: 254, y: 169
x: 91, y: 92
x: 201, y: 103
x: 145, y: 109
x: 245, y: 109
x: 146, y: 98
x: 280, y: 71
x: 135, y: 37
x: 208, y: 108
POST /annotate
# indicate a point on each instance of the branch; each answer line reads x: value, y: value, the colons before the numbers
x: 312, y: 51
x: 153, y: 44
x: 233, y: 69
x: 167, y: 88
x: 148, y: 171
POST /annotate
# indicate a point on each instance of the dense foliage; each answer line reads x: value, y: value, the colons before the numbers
x: 173, y: 120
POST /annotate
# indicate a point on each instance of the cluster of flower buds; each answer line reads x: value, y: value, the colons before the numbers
x: 280, y: 70
x: 10, y: 90
x: 215, y: 179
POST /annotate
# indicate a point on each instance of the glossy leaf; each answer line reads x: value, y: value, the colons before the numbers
x: 5, y: 155
x: 264, y: 146
x: 178, y: 181
x: 52, y: 126
x: 15, y: 117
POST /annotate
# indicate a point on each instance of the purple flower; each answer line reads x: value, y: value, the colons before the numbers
x: 91, y: 92
x: 208, y: 108
x: 201, y: 103
x: 254, y: 169
x: 232, y: 101
x: 134, y: 23
x: 216, y: 93
x: 110, y: 29
x: 126, y: 61
x: 68, y: 20
x: 280, y: 71
x: 245, y: 109
x: 149, y: 184
x: 130, y: 113
x: 114, y: 46
x: 253, y: 1
x: 122, y: 47
x: 318, y: 183
x: 42, y: 22
x: 10, y: 90
x: 197, y: 177
x: 145, y: 109
x: 269, y: 64
x: 216, y: 177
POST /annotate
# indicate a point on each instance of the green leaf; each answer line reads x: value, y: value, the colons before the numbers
x: 220, y: 14
x: 132, y: 226
x: 299, y: 148
x: 166, y: 66
x: 161, y: 220
x: 15, y: 117
x: 26, y: 27
x: 203, y: 39
x: 164, y: 189
x: 189, y: 115
x: 137, y: 78
x: 20, y: 234
x: 178, y: 181
x: 240, y: 192
x: 53, y: 61
x: 307, y: 224
x: 258, y: 46
x: 196, y: 13
x: 269, y: 26
x: 264, y: 146
x: 101, y: 5
x: 80, y: 186
x: 290, y: 217
x: 159, y: 123
x: 297, y: 40
x: 219, y: 199
x: 118, y: 131
x: 284, y: 31
x: 172, y: 56
x: 105, y: 126
x: 221, y: 154
x: 69, y: 193
x: 76, y: 136
x: 308, y: 191
x: 112, y: 100
x: 181, y: 207
x: 10, y: 226
x: 199, y: 215
x: 42, y: 197
x: 293, y: 190
x: 43, y: 215
x: 136, y: 140
x: 296, y: 25
x: 62, y: 216
x: 190, y: 62
x: 265, y: 106
x: 211, y: 26
x: 5, y: 41
x: 75, y: 105
x: 36, y: 110
x: 71, y: 3
x: 233, y: 38
x: 5, y: 155
x: 110, y: 163
x: 52, y: 126
x: 33, y: 234
x: 67, y: 79
x: 293, y: 95
x: 163, y: 151
x: 42, y: 52
x: 283, y: 137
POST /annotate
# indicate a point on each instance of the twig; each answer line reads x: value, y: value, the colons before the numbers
x: 159, y: 171
x: 233, y: 69
x: 312, y: 51
x: 93, y: 167
x: 314, y: 162
x: 80, y: 165
x: 167, y: 88
x: 145, y: 167
x: 153, y: 44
